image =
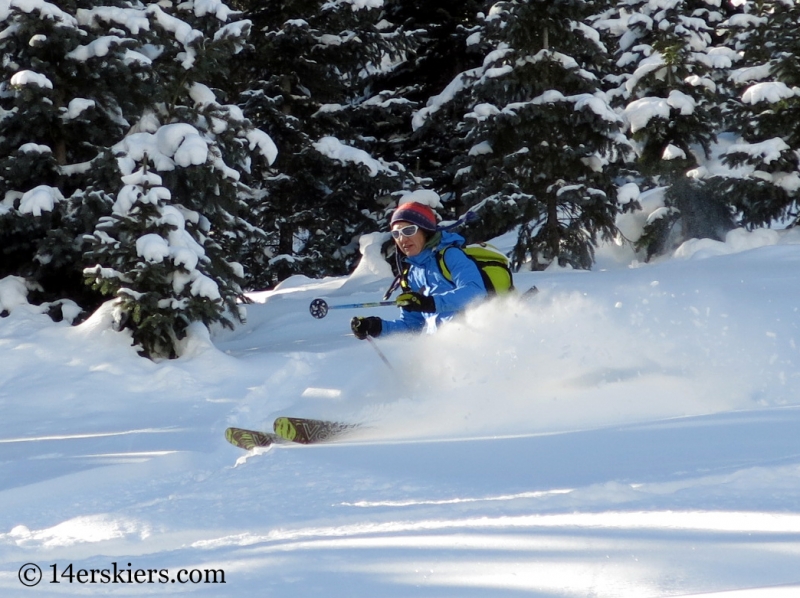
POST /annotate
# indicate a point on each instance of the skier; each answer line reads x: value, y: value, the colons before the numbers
x: 429, y: 298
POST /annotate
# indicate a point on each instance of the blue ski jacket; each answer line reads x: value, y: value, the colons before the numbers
x: 425, y: 277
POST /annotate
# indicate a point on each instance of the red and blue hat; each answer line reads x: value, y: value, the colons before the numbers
x: 415, y: 213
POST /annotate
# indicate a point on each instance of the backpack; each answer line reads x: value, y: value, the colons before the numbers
x: 492, y: 264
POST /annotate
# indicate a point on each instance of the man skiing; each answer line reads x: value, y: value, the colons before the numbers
x: 429, y: 297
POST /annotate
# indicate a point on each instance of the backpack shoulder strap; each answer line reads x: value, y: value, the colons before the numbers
x: 442, y: 264
x: 439, y: 261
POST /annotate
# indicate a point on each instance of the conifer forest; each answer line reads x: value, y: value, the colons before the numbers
x: 174, y: 155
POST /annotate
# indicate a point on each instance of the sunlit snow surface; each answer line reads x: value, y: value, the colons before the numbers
x: 627, y: 432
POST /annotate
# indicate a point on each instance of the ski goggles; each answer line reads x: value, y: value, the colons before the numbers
x: 406, y: 231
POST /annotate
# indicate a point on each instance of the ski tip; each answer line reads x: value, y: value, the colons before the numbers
x: 248, y: 439
x: 284, y: 428
x: 531, y: 292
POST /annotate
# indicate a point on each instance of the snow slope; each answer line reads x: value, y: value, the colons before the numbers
x: 627, y: 432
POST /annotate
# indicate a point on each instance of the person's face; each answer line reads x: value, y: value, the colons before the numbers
x: 410, y: 245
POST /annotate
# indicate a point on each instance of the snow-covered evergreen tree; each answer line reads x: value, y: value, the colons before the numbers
x: 444, y: 39
x: 765, y: 187
x: 200, y: 148
x: 538, y: 135
x: 306, y: 80
x: 669, y: 73
x: 58, y: 112
x: 669, y: 90
x: 154, y: 265
x: 94, y: 92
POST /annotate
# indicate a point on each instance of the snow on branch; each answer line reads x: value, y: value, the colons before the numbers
x: 34, y: 148
x: 565, y: 62
x: 772, y: 92
x: 720, y: 58
x: 336, y: 150
x: 767, y: 151
x: 750, y: 73
x: 77, y: 106
x: 598, y: 105
x: 177, y: 144
x: 183, y: 32
x: 650, y: 64
x: 744, y: 21
x: 40, y: 199
x: 97, y: 48
x: 133, y: 19
x: 212, y: 7
x: 24, y: 78
x: 354, y: 4
x: 136, y: 20
x: 266, y: 147
x: 673, y: 152
x: 46, y: 10
x: 436, y: 102
x: 640, y: 112
x: 236, y: 30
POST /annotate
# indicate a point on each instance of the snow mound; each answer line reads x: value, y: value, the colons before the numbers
x: 80, y: 530
x: 13, y: 293
x: 736, y: 241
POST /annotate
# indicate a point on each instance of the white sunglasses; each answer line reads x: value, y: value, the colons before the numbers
x: 406, y: 231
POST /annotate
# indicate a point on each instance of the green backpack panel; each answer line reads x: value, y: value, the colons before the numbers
x: 492, y: 264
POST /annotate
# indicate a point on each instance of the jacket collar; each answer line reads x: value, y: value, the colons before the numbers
x: 439, y: 240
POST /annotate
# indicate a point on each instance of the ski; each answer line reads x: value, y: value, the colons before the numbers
x: 531, y: 292
x: 250, y: 439
x: 287, y: 429
x: 309, y: 431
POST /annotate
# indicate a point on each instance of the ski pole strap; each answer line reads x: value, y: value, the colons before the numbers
x: 392, y: 287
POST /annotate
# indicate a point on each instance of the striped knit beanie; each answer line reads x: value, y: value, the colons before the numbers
x: 415, y: 213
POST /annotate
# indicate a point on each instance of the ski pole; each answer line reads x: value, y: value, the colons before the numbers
x: 319, y: 307
x: 380, y: 354
x: 469, y: 216
x: 401, y: 381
